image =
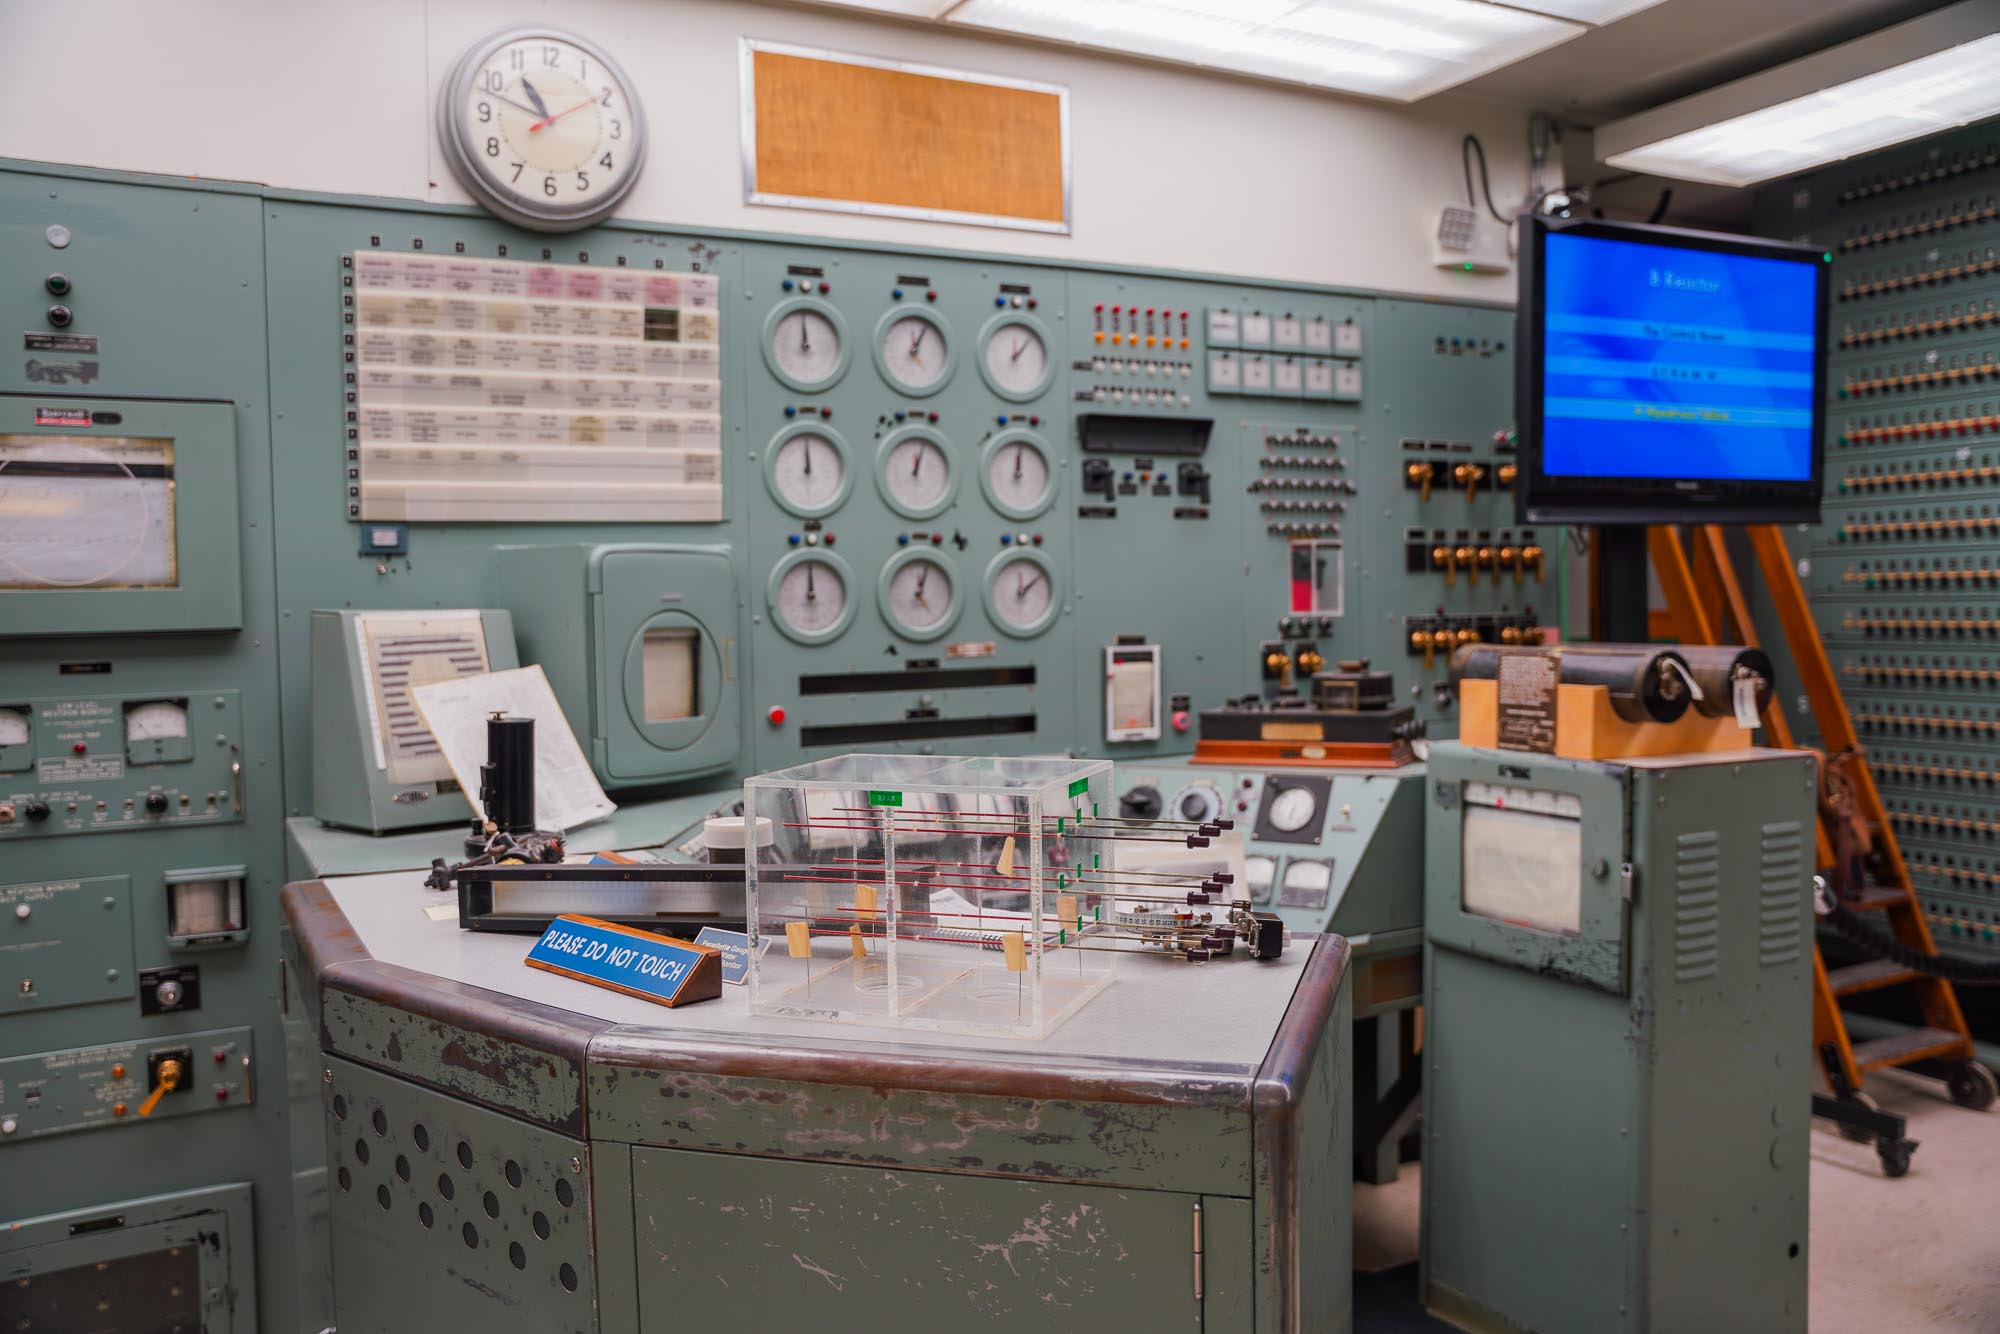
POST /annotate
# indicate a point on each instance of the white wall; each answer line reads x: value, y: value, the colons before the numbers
x: 1172, y: 169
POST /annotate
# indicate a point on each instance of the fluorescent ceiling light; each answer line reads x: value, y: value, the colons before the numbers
x: 1396, y: 49
x: 1583, y: 11
x: 916, y: 9
x: 1887, y: 88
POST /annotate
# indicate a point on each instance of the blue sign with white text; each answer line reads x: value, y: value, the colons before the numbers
x: 735, y: 947
x: 623, y: 958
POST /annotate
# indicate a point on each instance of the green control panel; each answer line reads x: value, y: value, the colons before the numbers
x: 109, y: 763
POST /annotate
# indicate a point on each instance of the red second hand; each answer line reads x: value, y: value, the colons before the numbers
x: 550, y: 120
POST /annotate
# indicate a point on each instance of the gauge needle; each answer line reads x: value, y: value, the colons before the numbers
x: 916, y: 344
x: 541, y: 107
x: 811, y: 593
x: 922, y: 575
x: 808, y: 447
x: 805, y: 343
x: 1018, y: 450
x: 918, y: 455
x: 1019, y: 343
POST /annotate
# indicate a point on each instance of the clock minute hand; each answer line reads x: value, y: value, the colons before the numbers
x: 518, y: 106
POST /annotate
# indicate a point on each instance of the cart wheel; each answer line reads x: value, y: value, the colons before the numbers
x: 1895, y: 1156
x: 1859, y: 1134
x: 1971, y: 1085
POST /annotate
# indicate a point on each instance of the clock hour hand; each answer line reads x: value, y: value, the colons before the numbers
x: 541, y: 107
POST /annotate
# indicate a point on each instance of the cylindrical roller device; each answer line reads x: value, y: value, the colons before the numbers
x: 1647, y: 684
x: 507, y: 779
x: 1717, y: 668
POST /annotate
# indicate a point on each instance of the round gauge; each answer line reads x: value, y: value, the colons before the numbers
x: 542, y: 128
x: 805, y: 469
x: 913, y: 349
x: 810, y: 597
x: 13, y: 727
x: 913, y: 472
x: 1198, y: 803
x: 1291, y: 808
x: 805, y: 344
x: 1014, y: 473
x: 919, y: 600
x: 1014, y: 357
x: 1020, y: 592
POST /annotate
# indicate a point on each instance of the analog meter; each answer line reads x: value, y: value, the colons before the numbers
x: 1021, y: 592
x: 806, y: 470
x: 919, y: 598
x: 914, y: 473
x: 1015, y: 474
x: 805, y: 344
x: 913, y: 349
x: 1014, y: 357
x: 1290, y: 809
x: 810, y: 597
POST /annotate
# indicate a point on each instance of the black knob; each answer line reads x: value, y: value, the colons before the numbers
x: 57, y: 283
x: 1141, y: 803
x: 59, y: 315
x: 37, y: 810
x: 156, y: 803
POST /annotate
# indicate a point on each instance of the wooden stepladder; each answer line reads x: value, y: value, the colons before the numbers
x: 1706, y: 603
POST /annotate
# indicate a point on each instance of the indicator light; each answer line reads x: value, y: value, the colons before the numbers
x: 775, y: 716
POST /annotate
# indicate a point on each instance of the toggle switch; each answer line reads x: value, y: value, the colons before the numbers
x: 1421, y: 475
x: 169, y: 1075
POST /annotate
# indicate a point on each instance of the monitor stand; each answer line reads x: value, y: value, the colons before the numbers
x: 1619, y: 592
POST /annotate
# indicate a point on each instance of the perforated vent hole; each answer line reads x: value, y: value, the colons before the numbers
x: 565, y: 1193
x: 513, y: 1171
x: 465, y: 1155
x: 492, y: 1204
x: 422, y: 1136
x: 339, y: 1107
x: 380, y: 1121
x: 382, y: 1196
x: 541, y: 1221
x: 347, y: 1183
x: 424, y: 1214
x: 361, y: 1152
x: 517, y: 1255
x: 568, y: 1277
x: 470, y: 1233
x: 445, y: 1189
x: 402, y: 1167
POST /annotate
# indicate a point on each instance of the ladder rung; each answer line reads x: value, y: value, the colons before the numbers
x: 1914, y: 1044
x: 1868, y: 976
x: 1877, y: 897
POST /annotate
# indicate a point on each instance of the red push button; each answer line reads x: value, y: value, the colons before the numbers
x: 776, y: 716
x: 1181, y: 720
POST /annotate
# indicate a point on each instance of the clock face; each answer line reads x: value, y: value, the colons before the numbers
x: 1014, y: 358
x: 807, y: 470
x: 913, y: 350
x: 919, y: 599
x: 1016, y: 476
x: 809, y: 598
x: 805, y: 346
x: 1021, y: 593
x: 913, y: 472
x: 543, y: 128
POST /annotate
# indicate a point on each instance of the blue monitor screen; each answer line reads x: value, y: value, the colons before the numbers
x: 1665, y: 362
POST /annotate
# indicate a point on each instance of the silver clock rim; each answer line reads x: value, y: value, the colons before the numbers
x: 455, y: 135
x: 1007, y: 556
x: 991, y: 329
x: 952, y: 611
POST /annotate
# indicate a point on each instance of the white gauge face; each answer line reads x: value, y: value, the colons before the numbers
x: 914, y: 352
x: 1017, y: 476
x: 1017, y: 360
x: 158, y: 721
x: 1292, y: 808
x: 1308, y: 876
x: 920, y: 594
x: 1023, y: 593
x: 550, y: 126
x: 1258, y: 872
x: 13, y: 727
x: 917, y: 473
x: 1199, y: 803
x: 812, y: 597
x: 806, y: 346
x: 808, y: 472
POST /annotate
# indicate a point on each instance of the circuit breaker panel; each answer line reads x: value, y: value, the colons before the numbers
x: 1904, y: 572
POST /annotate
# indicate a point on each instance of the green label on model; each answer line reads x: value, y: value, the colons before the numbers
x: 1079, y: 787
x: 885, y: 798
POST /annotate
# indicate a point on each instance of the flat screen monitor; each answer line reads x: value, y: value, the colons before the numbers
x: 1668, y: 376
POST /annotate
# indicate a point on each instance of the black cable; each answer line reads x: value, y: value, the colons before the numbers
x: 1468, y: 147
x: 1962, y: 972
x: 1660, y: 209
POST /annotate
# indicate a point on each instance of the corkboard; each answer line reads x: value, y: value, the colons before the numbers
x: 825, y: 130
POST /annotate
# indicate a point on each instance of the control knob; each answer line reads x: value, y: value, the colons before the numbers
x: 156, y: 803
x: 1141, y: 803
x: 36, y: 810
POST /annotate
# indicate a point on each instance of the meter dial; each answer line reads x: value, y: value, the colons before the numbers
x: 1258, y: 875
x: 1291, y: 809
x: 805, y: 344
x: 913, y: 472
x: 805, y: 469
x: 1020, y: 592
x: 1014, y: 473
x: 161, y: 720
x: 1199, y: 803
x: 13, y: 727
x: 810, y: 596
x: 1014, y: 357
x: 913, y: 350
x: 919, y: 597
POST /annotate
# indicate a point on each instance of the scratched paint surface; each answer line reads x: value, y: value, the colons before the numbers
x: 752, y: 1243
x: 1192, y: 1147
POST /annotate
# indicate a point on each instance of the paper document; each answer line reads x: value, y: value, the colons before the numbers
x: 566, y: 792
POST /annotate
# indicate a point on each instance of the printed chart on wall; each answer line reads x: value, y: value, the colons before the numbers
x: 497, y: 390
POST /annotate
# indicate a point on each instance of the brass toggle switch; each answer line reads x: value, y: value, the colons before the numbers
x: 1507, y: 473
x: 1279, y: 664
x: 1310, y: 661
x: 1509, y: 556
x: 1421, y: 475
x: 1533, y: 555
x: 169, y: 1076
x: 1444, y: 556
x: 1426, y: 641
x: 1469, y: 476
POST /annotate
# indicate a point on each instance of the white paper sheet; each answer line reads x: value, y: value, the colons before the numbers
x: 566, y: 791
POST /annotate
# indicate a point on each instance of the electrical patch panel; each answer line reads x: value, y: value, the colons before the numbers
x: 1904, y: 572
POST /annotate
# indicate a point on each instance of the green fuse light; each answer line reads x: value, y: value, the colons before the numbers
x: 1096, y: 861
x: 1059, y: 824
x: 1062, y: 937
x: 1062, y: 881
x: 1100, y: 912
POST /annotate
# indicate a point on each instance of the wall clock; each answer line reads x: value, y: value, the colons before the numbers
x: 542, y: 127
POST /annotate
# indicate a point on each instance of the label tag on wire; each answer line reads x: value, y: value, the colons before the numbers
x: 1745, y: 691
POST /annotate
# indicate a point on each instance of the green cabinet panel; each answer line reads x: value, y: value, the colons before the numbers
x: 744, y: 1243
